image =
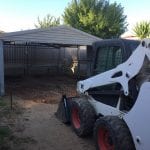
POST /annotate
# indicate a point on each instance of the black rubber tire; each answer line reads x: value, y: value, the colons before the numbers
x: 85, y: 115
x: 112, y: 133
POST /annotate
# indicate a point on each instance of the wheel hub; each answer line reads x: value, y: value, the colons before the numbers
x: 76, y: 118
x: 105, y: 141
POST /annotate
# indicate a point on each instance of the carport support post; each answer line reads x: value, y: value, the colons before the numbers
x: 2, y: 91
x: 78, y: 59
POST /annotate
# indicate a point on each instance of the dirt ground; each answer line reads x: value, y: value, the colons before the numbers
x: 47, y: 89
x: 37, y: 128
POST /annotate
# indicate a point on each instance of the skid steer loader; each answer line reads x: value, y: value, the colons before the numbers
x: 115, y: 102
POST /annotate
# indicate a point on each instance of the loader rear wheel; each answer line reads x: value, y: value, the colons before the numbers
x: 82, y: 117
x: 112, y: 133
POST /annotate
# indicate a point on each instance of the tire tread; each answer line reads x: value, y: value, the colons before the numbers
x: 121, y: 134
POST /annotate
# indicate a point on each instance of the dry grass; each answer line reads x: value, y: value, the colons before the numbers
x: 8, y: 119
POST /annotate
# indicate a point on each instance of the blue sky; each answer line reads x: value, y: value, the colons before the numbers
x: 22, y: 14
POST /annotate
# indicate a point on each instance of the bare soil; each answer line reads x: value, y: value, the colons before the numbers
x: 47, y: 89
x: 37, y: 128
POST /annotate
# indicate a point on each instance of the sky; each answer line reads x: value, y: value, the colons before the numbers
x: 16, y: 15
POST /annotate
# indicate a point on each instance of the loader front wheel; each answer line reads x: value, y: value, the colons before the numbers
x: 112, y: 133
x: 82, y: 117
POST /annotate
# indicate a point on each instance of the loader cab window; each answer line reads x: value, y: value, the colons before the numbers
x: 107, y: 58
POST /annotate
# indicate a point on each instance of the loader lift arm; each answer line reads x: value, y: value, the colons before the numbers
x: 122, y: 74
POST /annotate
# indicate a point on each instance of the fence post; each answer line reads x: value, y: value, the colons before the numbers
x: 2, y: 90
x: 58, y: 60
x: 78, y: 59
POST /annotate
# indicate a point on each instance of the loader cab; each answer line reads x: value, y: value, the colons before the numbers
x: 110, y: 53
x: 107, y: 55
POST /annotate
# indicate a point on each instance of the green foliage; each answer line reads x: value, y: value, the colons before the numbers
x: 142, y: 29
x: 97, y: 17
x: 47, y: 21
x: 4, y: 132
x: 2, y: 102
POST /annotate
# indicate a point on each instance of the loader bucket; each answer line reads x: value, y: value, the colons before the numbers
x: 63, y: 111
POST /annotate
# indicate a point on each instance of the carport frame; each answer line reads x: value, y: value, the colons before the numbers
x: 2, y: 88
x: 59, y: 36
x: 2, y: 43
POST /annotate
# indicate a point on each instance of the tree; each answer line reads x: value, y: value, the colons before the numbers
x: 1, y: 31
x: 142, y: 29
x: 97, y: 17
x: 47, y: 21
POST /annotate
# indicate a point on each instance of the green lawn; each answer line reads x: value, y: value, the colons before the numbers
x: 2, y: 102
x: 4, y: 130
x: 4, y: 133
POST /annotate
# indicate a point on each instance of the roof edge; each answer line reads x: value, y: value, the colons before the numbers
x: 9, y: 34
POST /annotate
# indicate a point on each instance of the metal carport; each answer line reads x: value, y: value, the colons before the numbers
x: 60, y: 36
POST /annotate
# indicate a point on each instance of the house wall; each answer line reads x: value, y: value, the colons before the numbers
x: 36, y: 60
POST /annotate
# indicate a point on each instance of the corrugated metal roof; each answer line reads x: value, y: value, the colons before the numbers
x: 63, y: 35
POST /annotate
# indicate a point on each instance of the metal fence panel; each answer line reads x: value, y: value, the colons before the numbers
x: 36, y: 59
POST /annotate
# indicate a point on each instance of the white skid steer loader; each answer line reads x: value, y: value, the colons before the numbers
x: 115, y: 102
